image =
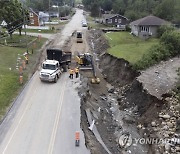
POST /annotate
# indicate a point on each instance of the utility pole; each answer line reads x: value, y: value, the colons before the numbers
x: 58, y: 8
x: 24, y: 21
x: 49, y: 14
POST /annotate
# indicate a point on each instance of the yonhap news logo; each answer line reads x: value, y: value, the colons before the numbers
x: 126, y: 140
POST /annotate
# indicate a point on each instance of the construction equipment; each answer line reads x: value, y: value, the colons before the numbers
x: 56, y: 62
x: 79, y: 37
x: 85, y: 62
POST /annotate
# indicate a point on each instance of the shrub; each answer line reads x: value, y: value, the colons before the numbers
x: 169, y: 47
x: 155, y: 54
x: 172, y: 41
x: 164, y: 28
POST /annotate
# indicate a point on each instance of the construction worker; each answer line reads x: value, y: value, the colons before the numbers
x: 26, y: 58
x: 77, y: 72
x: 71, y: 72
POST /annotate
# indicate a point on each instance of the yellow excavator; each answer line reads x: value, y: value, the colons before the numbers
x: 85, y: 62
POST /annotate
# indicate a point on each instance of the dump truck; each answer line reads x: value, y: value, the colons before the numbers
x: 79, y: 37
x: 57, y: 62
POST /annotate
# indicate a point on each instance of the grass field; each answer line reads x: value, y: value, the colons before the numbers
x: 50, y: 31
x: 9, y: 75
x: 39, y: 31
x: 16, y: 38
x: 124, y: 45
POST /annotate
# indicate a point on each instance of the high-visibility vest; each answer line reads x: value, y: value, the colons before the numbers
x: 71, y: 71
x: 76, y: 70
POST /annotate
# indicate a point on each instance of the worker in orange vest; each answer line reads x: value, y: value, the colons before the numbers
x: 71, y: 73
x: 26, y: 59
x: 76, y: 72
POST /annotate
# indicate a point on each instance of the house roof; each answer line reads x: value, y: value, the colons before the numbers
x: 31, y: 10
x: 149, y: 20
x: 42, y: 14
x: 109, y: 16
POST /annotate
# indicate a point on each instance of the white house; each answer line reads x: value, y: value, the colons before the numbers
x: 43, y: 17
x: 147, y: 27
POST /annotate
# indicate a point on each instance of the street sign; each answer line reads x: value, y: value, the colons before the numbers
x: 3, y: 23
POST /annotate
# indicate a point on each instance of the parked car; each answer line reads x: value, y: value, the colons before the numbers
x: 84, y: 24
x: 64, y: 18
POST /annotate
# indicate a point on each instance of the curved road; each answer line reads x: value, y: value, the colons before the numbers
x: 45, y: 117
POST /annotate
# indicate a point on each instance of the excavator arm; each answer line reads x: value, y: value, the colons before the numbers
x: 86, y: 62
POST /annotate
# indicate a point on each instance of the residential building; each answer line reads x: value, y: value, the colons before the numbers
x: 115, y: 20
x: 34, y: 18
x: 43, y: 17
x: 147, y: 27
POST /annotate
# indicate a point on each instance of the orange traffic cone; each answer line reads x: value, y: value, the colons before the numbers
x: 20, y: 70
x: 21, y: 79
x: 24, y: 64
x: 77, y: 138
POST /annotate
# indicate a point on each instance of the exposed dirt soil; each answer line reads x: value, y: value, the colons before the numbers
x: 118, y: 72
x: 120, y: 104
x: 162, y: 76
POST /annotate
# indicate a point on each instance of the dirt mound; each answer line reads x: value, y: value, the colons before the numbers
x: 98, y: 44
x: 162, y: 76
x: 117, y: 71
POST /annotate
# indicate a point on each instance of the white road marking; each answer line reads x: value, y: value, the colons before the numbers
x: 10, y: 139
x: 53, y: 135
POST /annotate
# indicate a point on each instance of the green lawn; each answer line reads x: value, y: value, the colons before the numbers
x: 9, y: 75
x: 16, y: 38
x: 39, y: 31
x: 55, y: 27
x: 131, y: 48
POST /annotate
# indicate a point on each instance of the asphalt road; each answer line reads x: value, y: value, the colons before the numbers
x: 45, y: 116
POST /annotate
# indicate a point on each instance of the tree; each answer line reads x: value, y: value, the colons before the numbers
x: 119, y: 7
x: 171, y: 39
x: 107, y: 5
x: 176, y: 18
x: 166, y: 9
x: 134, y: 9
x: 14, y: 15
x: 94, y: 9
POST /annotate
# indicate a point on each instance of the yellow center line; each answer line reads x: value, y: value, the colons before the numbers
x: 58, y: 113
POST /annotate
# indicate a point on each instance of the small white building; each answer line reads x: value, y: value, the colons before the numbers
x: 43, y: 17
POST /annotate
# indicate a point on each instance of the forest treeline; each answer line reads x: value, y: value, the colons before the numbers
x: 45, y: 5
x: 134, y: 9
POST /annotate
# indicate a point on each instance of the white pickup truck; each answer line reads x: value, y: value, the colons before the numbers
x: 50, y: 71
